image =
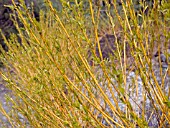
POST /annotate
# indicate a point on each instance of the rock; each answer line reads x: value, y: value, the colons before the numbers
x: 107, y: 45
x: 164, y: 61
x: 108, y: 48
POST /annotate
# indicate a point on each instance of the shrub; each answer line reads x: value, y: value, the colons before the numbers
x: 54, y: 84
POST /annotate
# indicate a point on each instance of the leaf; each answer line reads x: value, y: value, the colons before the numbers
x: 167, y: 103
x: 122, y: 90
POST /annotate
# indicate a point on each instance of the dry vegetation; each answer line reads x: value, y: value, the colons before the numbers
x: 61, y: 76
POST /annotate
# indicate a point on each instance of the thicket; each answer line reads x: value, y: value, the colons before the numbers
x: 58, y: 79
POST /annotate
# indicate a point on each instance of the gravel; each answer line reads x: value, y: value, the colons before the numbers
x: 135, y: 93
x: 3, y: 92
